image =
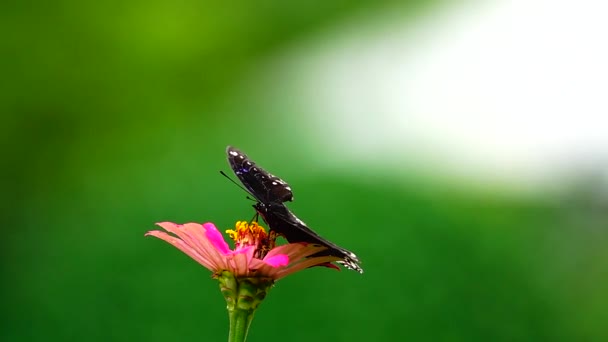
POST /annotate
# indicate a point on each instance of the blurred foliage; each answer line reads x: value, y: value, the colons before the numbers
x: 116, y: 116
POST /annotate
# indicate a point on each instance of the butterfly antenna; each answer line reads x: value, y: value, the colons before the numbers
x: 237, y: 184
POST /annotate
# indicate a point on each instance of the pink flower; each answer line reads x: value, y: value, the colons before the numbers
x: 254, y: 254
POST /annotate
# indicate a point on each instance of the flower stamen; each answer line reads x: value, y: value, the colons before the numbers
x: 251, y: 234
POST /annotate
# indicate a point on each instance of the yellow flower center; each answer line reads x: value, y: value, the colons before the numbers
x: 250, y: 234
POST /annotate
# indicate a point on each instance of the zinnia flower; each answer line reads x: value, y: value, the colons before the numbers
x: 252, y: 255
x: 247, y: 272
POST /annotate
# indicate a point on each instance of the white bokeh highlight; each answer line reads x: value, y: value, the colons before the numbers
x: 511, y: 91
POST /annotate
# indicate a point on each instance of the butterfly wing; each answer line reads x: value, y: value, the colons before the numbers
x: 281, y: 220
x: 264, y: 186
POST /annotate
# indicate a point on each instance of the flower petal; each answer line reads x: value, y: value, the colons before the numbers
x: 198, y: 235
x: 216, y: 238
x: 241, y: 262
x: 188, y: 250
x: 277, y: 260
x: 310, y: 262
x: 193, y: 234
x: 297, y: 250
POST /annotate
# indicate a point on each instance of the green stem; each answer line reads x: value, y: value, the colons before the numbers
x: 243, y: 296
x: 240, y: 320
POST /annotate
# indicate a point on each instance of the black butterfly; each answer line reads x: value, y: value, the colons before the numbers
x: 271, y: 192
x: 265, y: 187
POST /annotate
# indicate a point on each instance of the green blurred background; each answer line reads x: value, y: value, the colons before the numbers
x: 116, y: 116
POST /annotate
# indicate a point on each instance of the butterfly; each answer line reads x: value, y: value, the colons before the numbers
x: 271, y: 193
x: 265, y: 187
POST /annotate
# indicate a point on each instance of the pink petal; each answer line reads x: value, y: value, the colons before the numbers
x: 241, y: 262
x: 193, y: 235
x: 277, y: 260
x: 248, y: 250
x: 317, y: 261
x: 188, y: 250
x: 196, y: 235
x: 190, y: 233
x: 169, y: 226
x: 296, y: 251
x: 216, y: 238
x: 330, y: 265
